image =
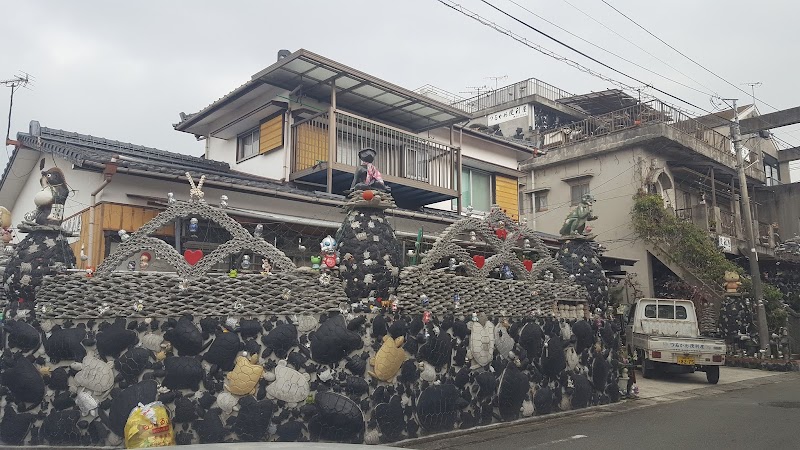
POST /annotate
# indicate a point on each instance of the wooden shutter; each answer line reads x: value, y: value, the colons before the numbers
x: 271, y: 135
x: 506, y: 194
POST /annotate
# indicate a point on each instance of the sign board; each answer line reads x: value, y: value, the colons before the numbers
x: 725, y: 243
x: 508, y: 114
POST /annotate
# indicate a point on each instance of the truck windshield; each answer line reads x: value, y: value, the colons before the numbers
x: 665, y: 312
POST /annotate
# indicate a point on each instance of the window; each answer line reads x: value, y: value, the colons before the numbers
x: 577, y: 191
x: 771, y: 171
x: 680, y: 313
x: 650, y: 311
x: 666, y: 312
x: 247, y: 145
x: 476, y: 189
x: 540, y: 201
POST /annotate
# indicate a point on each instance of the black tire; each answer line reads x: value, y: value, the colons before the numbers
x: 712, y: 374
x: 647, y: 366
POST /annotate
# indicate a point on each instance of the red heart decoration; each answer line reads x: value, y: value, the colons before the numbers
x: 480, y: 260
x: 192, y: 256
x: 528, y: 264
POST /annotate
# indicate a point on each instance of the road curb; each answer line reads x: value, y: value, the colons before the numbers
x: 622, y: 406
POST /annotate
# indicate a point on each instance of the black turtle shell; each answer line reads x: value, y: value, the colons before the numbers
x: 249, y: 328
x: 553, y: 358
x: 280, y: 339
x: 338, y: 419
x: 23, y: 380
x: 183, y: 372
x: 65, y: 344
x: 185, y: 337
x: 133, y: 362
x: 511, y: 393
x: 437, y: 350
x: 290, y: 431
x: 390, y: 418
x: 223, y: 350
x: 437, y: 407
x: 543, y: 400
x: 583, y: 335
x: 115, y: 338
x: 581, y: 392
x: 211, y: 429
x: 185, y: 410
x: 59, y: 379
x: 531, y: 338
x: 253, y: 419
x: 61, y: 427
x: 22, y: 335
x: 14, y: 427
x: 333, y: 341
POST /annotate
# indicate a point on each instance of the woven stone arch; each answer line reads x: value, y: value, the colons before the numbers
x: 479, y: 226
x: 537, y: 246
x: 159, y: 248
x: 506, y: 257
x: 277, y: 258
x: 141, y: 240
x: 497, y: 215
x: 551, y: 264
x: 449, y: 250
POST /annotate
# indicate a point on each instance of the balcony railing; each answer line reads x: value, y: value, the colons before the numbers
x: 510, y: 93
x: 399, y: 154
x: 631, y: 117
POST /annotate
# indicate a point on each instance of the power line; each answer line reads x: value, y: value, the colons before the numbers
x: 683, y: 54
x: 612, y: 53
x: 639, y: 47
x: 511, y: 16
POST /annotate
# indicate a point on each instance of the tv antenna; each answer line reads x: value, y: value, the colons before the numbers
x: 753, y: 89
x: 16, y: 82
x: 497, y: 79
x: 475, y: 90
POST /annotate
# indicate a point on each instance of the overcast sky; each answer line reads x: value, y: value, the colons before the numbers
x: 124, y: 70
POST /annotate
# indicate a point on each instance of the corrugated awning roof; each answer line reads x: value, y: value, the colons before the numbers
x: 311, y: 75
x: 596, y: 103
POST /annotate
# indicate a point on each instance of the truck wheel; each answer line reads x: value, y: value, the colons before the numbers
x: 647, y: 366
x: 712, y: 374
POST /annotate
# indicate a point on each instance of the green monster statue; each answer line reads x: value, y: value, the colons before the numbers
x: 575, y: 223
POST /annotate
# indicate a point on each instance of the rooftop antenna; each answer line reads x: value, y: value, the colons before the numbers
x: 14, y: 83
x: 753, y: 89
x: 497, y: 79
x: 475, y: 90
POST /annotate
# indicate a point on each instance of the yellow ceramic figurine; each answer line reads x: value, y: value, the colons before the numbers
x: 732, y: 282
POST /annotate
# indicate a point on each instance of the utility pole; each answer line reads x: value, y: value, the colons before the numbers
x: 14, y: 83
x: 755, y: 272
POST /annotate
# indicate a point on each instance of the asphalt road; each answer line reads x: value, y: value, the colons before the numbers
x: 763, y: 416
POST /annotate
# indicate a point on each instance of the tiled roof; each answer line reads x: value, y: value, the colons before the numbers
x: 83, y: 150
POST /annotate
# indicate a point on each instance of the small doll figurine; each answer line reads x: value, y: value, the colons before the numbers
x: 424, y: 300
x: 144, y: 261
x: 330, y: 257
x: 426, y: 317
x: 316, y: 260
x: 732, y: 282
x: 506, y: 273
x: 265, y: 267
x: 367, y: 175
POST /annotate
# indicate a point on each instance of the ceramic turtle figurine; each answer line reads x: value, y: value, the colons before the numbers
x: 290, y: 385
x: 86, y: 403
x: 503, y: 341
x: 481, y: 342
x: 389, y: 358
x: 243, y: 379
x: 305, y: 323
x: 152, y: 342
x: 95, y: 375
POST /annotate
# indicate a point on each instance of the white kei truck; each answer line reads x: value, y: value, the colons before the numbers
x: 665, y: 336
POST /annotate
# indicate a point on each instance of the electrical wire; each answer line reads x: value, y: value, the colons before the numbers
x: 511, y: 16
x: 612, y: 53
x: 685, y: 56
x: 638, y: 46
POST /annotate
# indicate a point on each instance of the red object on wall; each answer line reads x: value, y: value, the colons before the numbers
x: 192, y: 256
x: 501, y: 233
x: 368, y: 195
x: 480, y: 260
x: 528, y: 264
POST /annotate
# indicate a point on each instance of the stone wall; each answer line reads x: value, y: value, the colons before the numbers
x: 346, y: 376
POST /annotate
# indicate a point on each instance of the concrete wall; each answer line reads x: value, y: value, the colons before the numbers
x: 615, y: 179
x: 781, y: 204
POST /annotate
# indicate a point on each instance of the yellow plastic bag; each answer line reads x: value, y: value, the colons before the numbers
x: 149, y: 426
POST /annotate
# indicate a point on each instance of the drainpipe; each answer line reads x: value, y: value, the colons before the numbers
x: 108, y: 172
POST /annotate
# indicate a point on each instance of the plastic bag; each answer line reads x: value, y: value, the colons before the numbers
x: 149, y: 426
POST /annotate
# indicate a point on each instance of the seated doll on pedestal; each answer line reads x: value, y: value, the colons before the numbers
x: 367, y: 175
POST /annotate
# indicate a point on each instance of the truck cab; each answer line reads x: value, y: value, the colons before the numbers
x: 664, y: 334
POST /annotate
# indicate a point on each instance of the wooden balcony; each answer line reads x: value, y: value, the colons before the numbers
x: 419, y: 171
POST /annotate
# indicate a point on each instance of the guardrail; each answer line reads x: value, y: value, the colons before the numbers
x: 509, y: 93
